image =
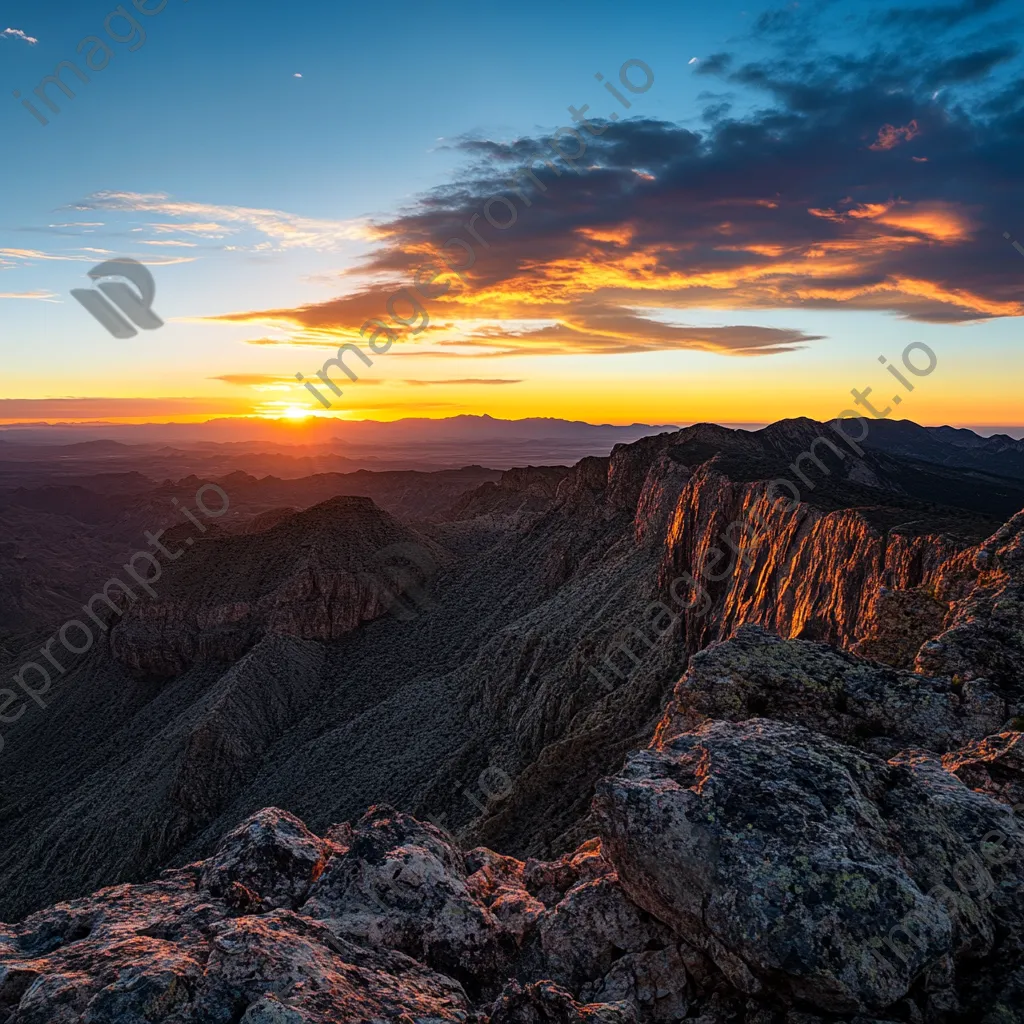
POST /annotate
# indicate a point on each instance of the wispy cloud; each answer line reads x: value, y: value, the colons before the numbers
x: 279, y: 382
x: 42, y: 296
x: 207, y: 230
x: 285, y: 230
x: 249, y: 380
x: 16, y: 33
x: 13, y: 257
x: 37, y: 254
x: 257, y: 380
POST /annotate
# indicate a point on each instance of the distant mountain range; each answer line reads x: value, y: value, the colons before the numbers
x: 259, y: 447
x: 333, y: 432
x: 315, y: 446
x: 336, y: 434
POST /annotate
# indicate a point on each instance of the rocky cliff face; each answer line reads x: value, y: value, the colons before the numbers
x: 983, y: 637
x: 819, y: 568
x: 801, y: 571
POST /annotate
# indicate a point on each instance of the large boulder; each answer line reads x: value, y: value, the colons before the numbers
x: 402, y: 884
x: 809, y: 871
x: 272, y: 855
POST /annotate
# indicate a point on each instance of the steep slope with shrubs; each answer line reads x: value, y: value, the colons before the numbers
x: 808, y: 839
x: 511, y: 673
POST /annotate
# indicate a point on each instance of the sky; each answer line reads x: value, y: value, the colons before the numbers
x: 461, y: 194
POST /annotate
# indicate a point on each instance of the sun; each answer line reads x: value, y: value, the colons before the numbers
x: 290, y: 411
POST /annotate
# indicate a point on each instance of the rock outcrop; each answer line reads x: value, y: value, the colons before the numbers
x: 858, y: 702
x: 384, y: 918
x: 751, y: 872
x: 984, y: 634
x: 813, y: 874
x: 316, y: 575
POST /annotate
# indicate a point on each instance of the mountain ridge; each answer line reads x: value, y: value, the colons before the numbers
x: 774, y: 855
x: 502, y: 647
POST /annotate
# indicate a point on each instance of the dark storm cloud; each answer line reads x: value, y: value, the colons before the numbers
x: 716, y: 64
x: 856, y: 185
x: 972, y: 66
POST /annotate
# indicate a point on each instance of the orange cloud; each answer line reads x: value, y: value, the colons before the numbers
x: 941, y: 222
x: 622, y: 235
x: 889, y: 137
x: 938, y: 221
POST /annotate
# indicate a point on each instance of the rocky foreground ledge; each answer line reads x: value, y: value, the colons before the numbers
x: 749, y: 871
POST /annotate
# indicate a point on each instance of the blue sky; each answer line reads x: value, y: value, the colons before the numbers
x: 209, y: 121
